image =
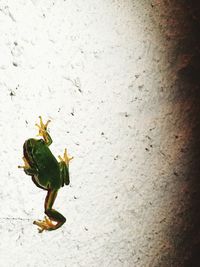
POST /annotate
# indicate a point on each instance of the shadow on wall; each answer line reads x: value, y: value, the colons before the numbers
x: 190, y: 76
x: 188, y: 72
x: 179, y: 22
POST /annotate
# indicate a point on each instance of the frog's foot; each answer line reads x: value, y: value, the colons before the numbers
x: 46, y: 224
x: 26, y: 164
x: 66, y: 158
x: 43, y: 128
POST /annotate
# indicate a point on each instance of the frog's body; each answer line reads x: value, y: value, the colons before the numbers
x: 46, y: 167
x: 47, y: 173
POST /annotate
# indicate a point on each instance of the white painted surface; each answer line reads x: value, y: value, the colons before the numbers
x: 104, y: 62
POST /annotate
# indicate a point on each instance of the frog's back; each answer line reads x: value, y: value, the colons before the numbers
x: 47, y: 165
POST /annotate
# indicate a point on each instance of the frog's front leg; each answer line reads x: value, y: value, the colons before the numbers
x: 27, y: 168
x: 43, y: 131
x: 55, y: 219
x: 31, y: 171
x: 64, y: 167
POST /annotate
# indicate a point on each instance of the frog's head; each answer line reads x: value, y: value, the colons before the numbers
x: 32, y: 143
x: 30, y: 146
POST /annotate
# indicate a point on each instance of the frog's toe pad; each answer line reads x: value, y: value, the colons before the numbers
x: 46, y: 224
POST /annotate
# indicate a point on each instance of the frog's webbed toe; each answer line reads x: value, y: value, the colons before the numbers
x: 43, y: 131
x: 66, y: 158
x: 46, y: 224
x: 42, y: 127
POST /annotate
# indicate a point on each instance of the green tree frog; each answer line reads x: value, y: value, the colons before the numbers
x: 47, y: 173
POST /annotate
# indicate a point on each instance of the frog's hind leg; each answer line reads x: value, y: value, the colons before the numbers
x: 55, y: 219
x: 37, y: 184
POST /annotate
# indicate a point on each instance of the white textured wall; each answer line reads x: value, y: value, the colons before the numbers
x: 99, y: 71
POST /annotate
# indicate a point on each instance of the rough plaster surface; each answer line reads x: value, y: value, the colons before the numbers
x: 101, y: 71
